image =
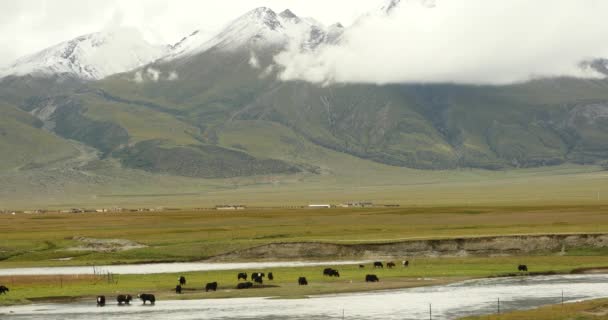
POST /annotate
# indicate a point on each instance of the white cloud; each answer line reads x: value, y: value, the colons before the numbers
x: 138, y: 77
x: 253, y: 61
x: 153, y: 74
x: 463, y: 41
x: 173, y: 76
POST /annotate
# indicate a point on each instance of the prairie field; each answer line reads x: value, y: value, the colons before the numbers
x: 57, y: 239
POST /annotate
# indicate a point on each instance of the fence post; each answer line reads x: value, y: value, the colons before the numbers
x: 430, y: 312
x: 498, y: 305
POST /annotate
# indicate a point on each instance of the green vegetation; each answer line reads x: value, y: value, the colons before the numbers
x: 586, y: 310
x: 39, y: 240
x: 422, y: 272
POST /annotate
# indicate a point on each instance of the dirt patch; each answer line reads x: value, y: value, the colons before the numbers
x: 104, y: 245
x: 459, y: 247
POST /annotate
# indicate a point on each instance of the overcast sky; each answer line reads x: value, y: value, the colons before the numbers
x: 27, y: 26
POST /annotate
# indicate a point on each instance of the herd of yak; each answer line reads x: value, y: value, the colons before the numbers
x: 257, y: 277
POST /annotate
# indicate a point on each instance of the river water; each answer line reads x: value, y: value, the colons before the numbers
x: 151, y: 268
x: 446, y: 302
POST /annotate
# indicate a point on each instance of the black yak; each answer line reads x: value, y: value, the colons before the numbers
x: 147, y: 297
x: 3, y: 289
x: 244, y: 285
x: 101, y: 301
x: 371, y: 278
x: 122, y: 298
x: 211, y: 286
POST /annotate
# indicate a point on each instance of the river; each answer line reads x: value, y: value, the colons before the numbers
x: 445, y: 302
x: 151, y: 268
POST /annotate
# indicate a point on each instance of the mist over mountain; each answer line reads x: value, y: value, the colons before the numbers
x: 279, y: 94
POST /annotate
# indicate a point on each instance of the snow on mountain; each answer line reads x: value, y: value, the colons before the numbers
x: 93, y: 56
x: 260, y: 27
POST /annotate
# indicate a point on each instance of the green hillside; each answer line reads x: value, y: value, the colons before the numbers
x: 24, y: 144
x: 220, y: 117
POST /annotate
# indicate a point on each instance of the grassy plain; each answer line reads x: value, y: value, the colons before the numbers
x: 41, y: 240
x: 46, y: 239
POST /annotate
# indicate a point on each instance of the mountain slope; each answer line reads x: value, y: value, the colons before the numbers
x: 216, y: 109
x: 93, y: 56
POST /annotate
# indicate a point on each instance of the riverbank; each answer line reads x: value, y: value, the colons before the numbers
x: 450, y: 301
x: 584, y: 310
x: 421, y: 272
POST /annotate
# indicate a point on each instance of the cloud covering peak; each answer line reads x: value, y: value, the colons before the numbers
x: 464, y: 41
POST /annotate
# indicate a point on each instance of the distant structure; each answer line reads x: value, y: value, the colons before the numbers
x: 230, y: 207
x: 319, y: 206
x: 358, y: 204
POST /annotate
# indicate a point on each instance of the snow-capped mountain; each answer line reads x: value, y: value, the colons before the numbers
x: 90, y: 57
x: 260, y: 27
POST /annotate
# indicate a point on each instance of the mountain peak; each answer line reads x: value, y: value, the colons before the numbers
x: 288, y: 14
x: 390, y: 5
x: 265, y: 15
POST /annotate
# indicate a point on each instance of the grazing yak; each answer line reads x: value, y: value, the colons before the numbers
x: 331, y: 272
x: 378, y: 264
x: 361, y: 266
x: 241, y: 275
x: 211, y: 286
x: 270, y: 276
x: 3, y: 289
x: 258, y: 277
x: 101, y: 301
x: 182, y: 280
x: 147, y: 297
x: 371, y: 278
x: 122, y: 298
x: 178, y: 289
x: 390, y: 265
x: 244, y: 285
x: 302, y: 281
x: 522, y: 268
x: 406, y: 263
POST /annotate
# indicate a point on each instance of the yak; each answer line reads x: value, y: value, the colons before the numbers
x: 147, y: 297
x: 390, y: 265
x: 242, y: 275
x: 406, y: 263
x: 331, y: 272
x: 182, y: 280
x: 244, y: 285
x: 101, y: 301
x: 378, y: 264
x: 302, y: 281
x: 126, y: 299
x: 522, y: 268
x: 371, y: 278
x: 211, y: 286
x: 270, y: 276
x: 178, y: 289
x: 3, y: 289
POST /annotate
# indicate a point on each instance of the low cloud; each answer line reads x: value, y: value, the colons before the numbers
x: 173, y: 76
x: 154, y: 75
x: 464, y: 41
x: 253, y: 61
